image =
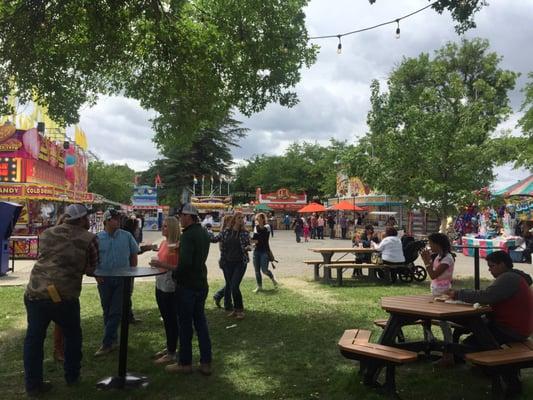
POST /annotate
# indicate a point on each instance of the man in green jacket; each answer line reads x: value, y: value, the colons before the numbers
x: 191, y: 292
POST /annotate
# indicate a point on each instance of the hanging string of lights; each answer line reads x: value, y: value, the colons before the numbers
x: 396, y: 21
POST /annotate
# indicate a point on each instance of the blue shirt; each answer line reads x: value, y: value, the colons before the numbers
x: 116, y: 249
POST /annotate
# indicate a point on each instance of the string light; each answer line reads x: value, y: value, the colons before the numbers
x: 393, y: 21
x: 397, y: 29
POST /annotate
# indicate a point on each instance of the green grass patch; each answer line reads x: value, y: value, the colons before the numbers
x: 285, y: 348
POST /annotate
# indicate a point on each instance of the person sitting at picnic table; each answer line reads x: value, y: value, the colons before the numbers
x: 364, y: 240
x: 391, y: 249
x: 510, y: 298
x: 439, y: 261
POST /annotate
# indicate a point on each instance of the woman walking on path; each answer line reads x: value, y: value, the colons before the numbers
x: 234, y: 247
x: 227, y: 221
x: 261, y: 259
x: 165, y: 288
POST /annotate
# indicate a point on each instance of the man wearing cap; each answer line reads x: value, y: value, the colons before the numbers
x: 66, y: 252
x: 118, y: 250
x: 191, y: 293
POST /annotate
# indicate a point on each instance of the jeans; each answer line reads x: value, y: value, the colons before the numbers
x: 191, y: 310
x: 343, y: 233
x: 332, y: 231
x: 233, y: 274
x: 261, y: 265
x: 320, y: 232
x: 39, y: 315
x: 166, y: 301
x: 298, y: 233
x: 111, y: 299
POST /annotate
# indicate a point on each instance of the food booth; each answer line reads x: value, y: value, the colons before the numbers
x: 43, y: 176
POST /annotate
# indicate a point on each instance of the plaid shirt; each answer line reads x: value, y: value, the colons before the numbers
x: 244, y: 239
x: 93, y: 257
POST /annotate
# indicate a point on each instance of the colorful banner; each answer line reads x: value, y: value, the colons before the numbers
x: 76, y: 165
x: 44, y: 192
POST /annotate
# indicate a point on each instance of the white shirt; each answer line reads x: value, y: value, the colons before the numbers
x: 391, y: 249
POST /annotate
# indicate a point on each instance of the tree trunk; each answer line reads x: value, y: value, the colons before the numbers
x: 443, y: 224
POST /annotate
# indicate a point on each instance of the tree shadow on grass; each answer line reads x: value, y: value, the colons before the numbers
x: 285, y: 348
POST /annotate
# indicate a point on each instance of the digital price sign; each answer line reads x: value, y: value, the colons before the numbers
x: 9, y: 169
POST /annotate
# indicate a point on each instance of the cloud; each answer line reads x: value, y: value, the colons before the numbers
x: 334, y: 93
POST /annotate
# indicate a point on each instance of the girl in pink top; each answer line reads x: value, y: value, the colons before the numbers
x: 439, y: 262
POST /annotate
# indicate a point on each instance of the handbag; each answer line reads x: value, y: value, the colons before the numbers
x: 375, y: 258
x: 271, y: 258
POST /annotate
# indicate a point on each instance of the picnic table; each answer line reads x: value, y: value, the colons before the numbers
x: 339, y: 263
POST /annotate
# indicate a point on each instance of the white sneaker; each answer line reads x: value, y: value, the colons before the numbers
x: 258, y: 289
x: 275, y: 283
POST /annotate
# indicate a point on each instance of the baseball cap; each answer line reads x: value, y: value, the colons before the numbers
x: 75, y: 211
x: 110, y: 214
x: 189, y: 209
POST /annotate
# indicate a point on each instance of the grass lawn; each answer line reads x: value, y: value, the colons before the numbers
x: 285, y: 348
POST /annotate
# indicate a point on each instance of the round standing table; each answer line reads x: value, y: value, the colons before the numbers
x: 123, y: 379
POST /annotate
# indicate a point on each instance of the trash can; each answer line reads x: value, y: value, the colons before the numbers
x: 9, y: 214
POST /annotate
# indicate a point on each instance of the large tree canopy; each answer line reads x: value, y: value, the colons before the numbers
x: 304, y: 166
x: 430, y: 134
x: 208, y: 154
x: 114, y: 182
x: 524, y: 145
x: 189, y: 60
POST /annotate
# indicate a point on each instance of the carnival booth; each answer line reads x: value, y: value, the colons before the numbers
x: 144, y: 204
x: 43, y: 176
x: 211, y: 209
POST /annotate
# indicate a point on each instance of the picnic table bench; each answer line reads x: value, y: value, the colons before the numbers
x: 503, y: 365
x: 354, y: 344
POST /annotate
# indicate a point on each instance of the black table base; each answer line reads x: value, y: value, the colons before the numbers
x: 127, y: 382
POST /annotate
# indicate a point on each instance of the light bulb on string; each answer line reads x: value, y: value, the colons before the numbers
x: 397, y: 29
x: 339, y: 46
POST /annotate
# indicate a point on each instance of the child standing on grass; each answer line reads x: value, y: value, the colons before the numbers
x: 306, y: 231
x: 439, y: 261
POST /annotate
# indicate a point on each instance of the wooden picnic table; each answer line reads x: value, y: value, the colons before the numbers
x: 405, y: 310
x: 328, y: 252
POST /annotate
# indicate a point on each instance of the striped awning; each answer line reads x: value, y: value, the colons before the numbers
x: 521, y: 188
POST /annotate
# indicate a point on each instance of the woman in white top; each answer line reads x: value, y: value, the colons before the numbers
x: 167, y: 258
x: 390, y: 247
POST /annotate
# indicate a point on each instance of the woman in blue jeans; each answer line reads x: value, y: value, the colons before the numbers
x: 260, y: 238
x: 234, y: 247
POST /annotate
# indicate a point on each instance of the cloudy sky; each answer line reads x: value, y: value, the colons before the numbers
x: 334, y: 93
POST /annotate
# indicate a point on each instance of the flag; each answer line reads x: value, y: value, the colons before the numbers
x: 157, y: 180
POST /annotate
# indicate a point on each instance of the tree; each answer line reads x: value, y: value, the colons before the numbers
x: 462, y: 11
x: 113, y: 181
x: 303, y: 167
x: 524, y: 145
x: 189, y: 60
x: 430, y: 134
x: 209, y: 154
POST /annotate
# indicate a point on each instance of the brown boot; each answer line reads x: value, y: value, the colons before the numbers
x: 205, y: 369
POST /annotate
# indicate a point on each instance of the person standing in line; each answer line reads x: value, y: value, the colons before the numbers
x: 118, y: 250
x: 331, y: 226
x: 298, y: 226
x: 234, y: 247
x: 165, y: 288
x: 314, y: 226
x: 191, y: 293
x: 261, y: 259
x: 227, y: 221
x: 287, y: 222
x: 306, y: 231
x: 271, y: 223
x: 320, y: 227
x: 343, y: 223
x: 66, y: 252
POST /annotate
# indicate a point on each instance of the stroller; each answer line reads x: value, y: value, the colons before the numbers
x: 411, y: 250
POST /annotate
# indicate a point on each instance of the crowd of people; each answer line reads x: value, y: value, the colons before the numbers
x: 69, y: 250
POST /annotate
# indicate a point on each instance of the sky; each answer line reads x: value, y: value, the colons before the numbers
x: 334, y: 92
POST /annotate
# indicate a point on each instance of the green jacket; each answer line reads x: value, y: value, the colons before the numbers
x: 191, y: 272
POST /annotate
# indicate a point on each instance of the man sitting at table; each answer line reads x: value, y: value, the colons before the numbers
x: 509, y: 296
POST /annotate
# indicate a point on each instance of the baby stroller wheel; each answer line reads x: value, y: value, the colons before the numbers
x: 419, y: 273
x: 405, y: 275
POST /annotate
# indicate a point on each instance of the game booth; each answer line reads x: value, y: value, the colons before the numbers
x: 213, y: 208
x: 144, y: 204
x: 42, y: 176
